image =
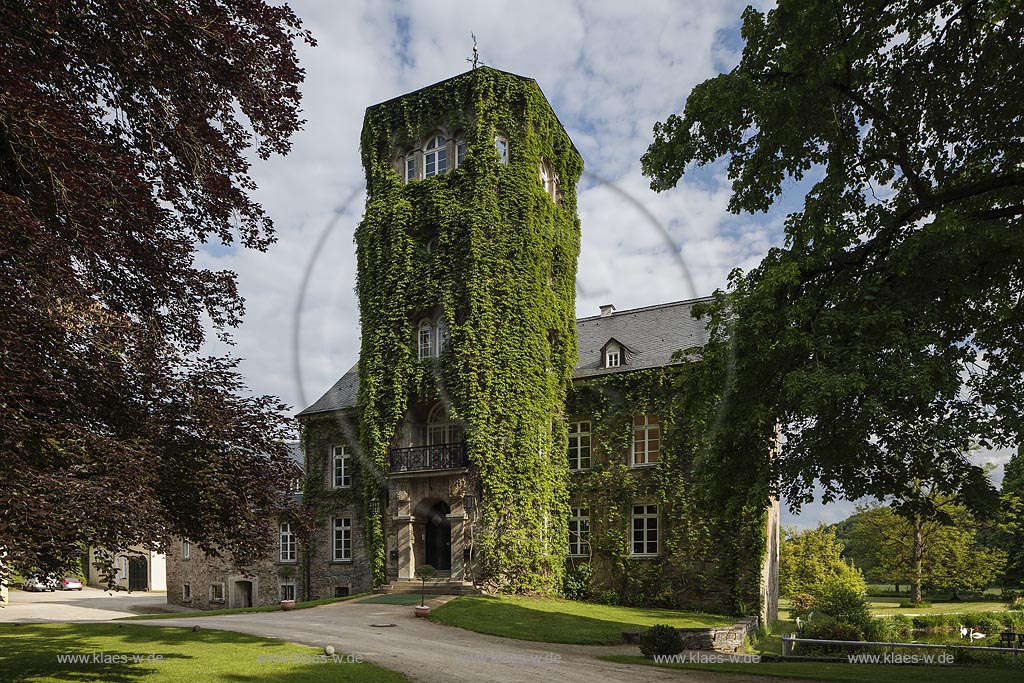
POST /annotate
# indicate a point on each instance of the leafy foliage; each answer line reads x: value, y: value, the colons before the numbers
x: 892, y: 311
x: 1010, y: 530
x: 124, y: 134
x: 660, y: 640
x: 812, y: 558
x: 502, y: 271
x: 843, y: 603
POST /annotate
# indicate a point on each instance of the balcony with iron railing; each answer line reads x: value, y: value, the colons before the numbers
x: 444, y: 456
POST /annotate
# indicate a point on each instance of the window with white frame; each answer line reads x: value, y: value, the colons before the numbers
x: 216, y: 592
x: 579, y: 532
x: 287, y: 545
x: 342, y: 468
x: 613, y: 356
x: 548, y: 179
x: 441, y: 429
x: 579, y: 445
x: 460, y: 152
x: 646, y: 440
x: 442, y: 336
x: 287, y: 591
x: 425, y: 339
x: 645, y: 530
x: 501, y: 144
x: 435, y: 161
x: 186, y: 591
x: 186, y: 550
x: 410, y: 168
x: 342, y: 539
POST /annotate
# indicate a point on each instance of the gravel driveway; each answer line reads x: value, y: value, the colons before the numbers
x: 89, y: 604
x: 426, y: 651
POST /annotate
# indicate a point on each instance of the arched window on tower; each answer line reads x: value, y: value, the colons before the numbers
x: 501, y: 144
x: 425, y: 339
x: 441, y: 429
x: 435, y: 157
x: 442, y: 336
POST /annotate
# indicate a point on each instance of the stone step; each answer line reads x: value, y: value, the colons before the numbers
x: 434, y: 587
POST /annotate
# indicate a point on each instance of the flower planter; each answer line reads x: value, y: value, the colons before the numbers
x: 287, y: 605
x: 422, y: 611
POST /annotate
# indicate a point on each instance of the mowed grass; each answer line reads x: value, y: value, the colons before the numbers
x: 561, y: 621
x: 844, y: 673
x: 884, y: 607
x: 191, y: 614
x: 29, y: 654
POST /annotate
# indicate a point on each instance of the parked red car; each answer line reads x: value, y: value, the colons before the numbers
x: 70, y: 583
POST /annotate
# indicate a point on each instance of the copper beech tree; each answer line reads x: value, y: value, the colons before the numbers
x: 124, y: 130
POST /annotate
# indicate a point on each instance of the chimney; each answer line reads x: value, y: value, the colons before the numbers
x: 606, y: 310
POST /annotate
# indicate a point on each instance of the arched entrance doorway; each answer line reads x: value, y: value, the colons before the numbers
x: 438, y: 537
x: 138, y: 574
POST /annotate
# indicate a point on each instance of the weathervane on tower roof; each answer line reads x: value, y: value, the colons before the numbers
x: 475, y: 61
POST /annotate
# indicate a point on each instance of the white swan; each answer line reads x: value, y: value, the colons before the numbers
x: 964, y: 631
x: 976, y: 635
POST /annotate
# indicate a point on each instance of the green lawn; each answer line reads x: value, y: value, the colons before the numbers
x: 239, y: 610
x: 847, y: 673
x: 30, y: 655
x: 883, y: 607
x: 561, y: 621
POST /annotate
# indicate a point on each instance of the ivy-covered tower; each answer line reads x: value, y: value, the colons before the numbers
x: 467, y: 263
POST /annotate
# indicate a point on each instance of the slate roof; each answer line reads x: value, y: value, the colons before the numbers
x: 652, y: 334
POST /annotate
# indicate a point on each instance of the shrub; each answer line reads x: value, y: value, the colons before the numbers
x: 576, y: 584
x: 661, y: 640
x: 800, y: 605
x: 1016, y: 603
x: 608, y: 597
x: 887, y: 629
x: 844, y: 604
x: 989, y: 624
x: 828, y: 630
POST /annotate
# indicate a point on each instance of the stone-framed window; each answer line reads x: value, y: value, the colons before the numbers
x: 460, y: 152
x: 342, y: 468
x: 435, y: 157
x: 287, y: 591
x: 579, y: 532
x: 644, y: 531
x: 216, y: 592
x: 579, y: 445
x: 410, y: 168
x: 441, y: 429
x: 288, y: 543
x: 425, y: 339
x: 501, y: 144
x: 646, y: 440
x: 442, y: 335
x: 342, y: 540
x: 186, y: 592
x: 549, y: 180
x: 342, y: 591
x: 186, y: 549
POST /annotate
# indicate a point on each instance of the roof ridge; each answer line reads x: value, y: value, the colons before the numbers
x: 709, y: 297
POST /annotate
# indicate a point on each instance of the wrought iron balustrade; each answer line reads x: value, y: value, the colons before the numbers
x: 444, y: 456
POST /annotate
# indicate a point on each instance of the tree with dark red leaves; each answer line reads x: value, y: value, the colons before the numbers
x: 124, y: 129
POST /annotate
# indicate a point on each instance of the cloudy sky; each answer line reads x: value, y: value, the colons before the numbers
x: 610, y: 69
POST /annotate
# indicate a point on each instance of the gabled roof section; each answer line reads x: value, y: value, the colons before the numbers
x: 344, y: 394
x: 651, y: 335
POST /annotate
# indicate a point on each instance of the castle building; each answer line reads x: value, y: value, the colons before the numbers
x: 485, y: 431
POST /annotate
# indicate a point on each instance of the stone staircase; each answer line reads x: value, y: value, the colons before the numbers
x: 442, y: 585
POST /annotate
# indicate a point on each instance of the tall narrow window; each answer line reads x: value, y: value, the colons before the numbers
x: 410, y: 168
x: 186, y: 591
x: 435, y: 161
x: 460, y: 152
x: 646, y: 440
x: 342, y: 468
x: 442, y: 336
x: 501, y: 144
x: 579, y: 531
x: 342, y: 539
x: 186, y: 550
x: 287, y: 543
x: 425, y: 339
x: 579, y: 445
x: 645, y: 530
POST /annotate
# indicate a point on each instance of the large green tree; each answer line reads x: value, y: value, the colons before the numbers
x: 883, y: 337
x: 125, y: 129
x: 811, y: 559
x: 1010, y: 530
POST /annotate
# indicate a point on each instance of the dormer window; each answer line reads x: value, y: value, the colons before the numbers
x: 501, y: 144
x: 612, y: 358
x: 435, y: 159
x: 615, y: 354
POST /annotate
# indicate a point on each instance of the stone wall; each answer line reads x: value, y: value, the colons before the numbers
x: 328, y: 578
x: 721, y: 639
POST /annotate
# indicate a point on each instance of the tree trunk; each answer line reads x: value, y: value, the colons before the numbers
x: 916, y: 557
